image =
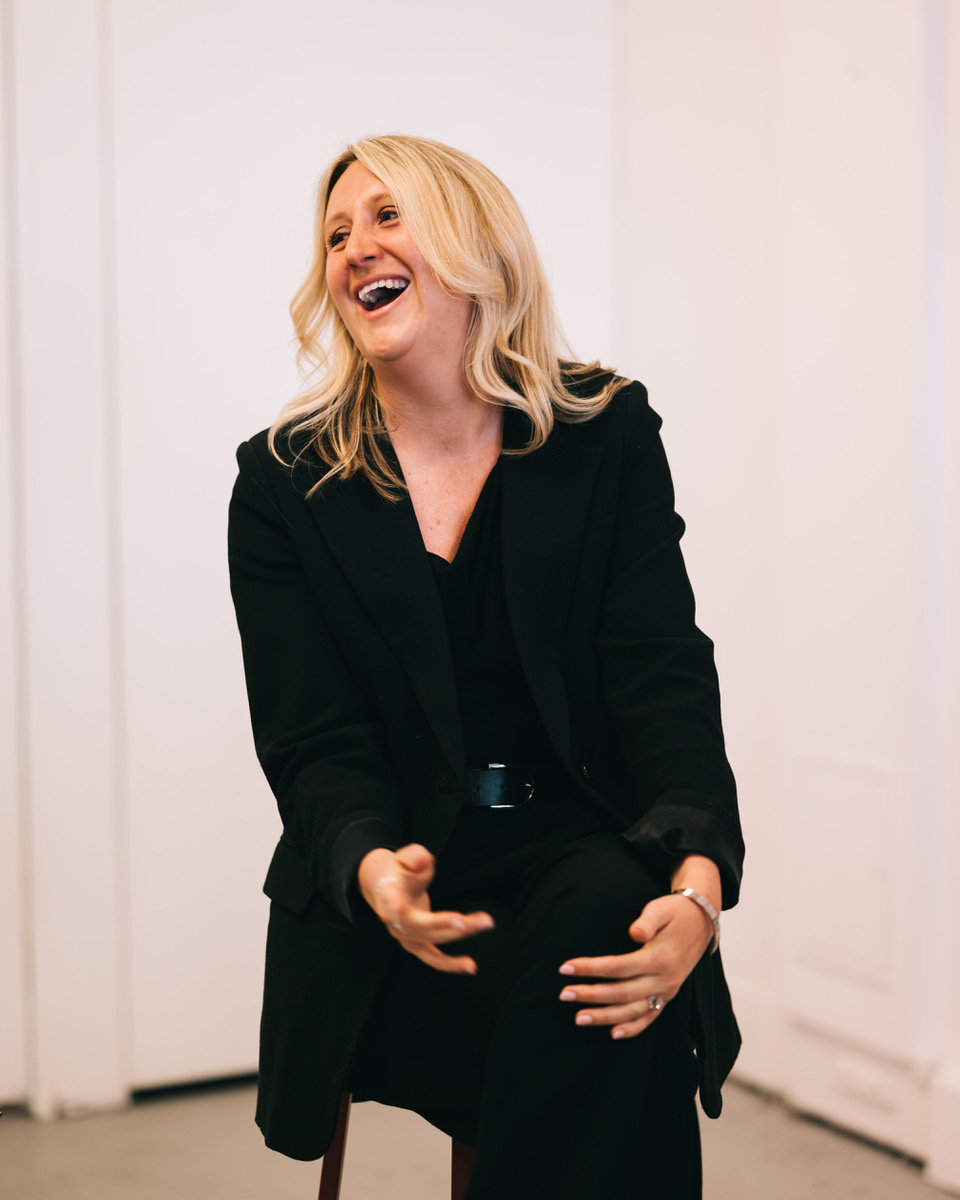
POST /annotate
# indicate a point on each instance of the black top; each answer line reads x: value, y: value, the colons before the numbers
x: 500, y: 720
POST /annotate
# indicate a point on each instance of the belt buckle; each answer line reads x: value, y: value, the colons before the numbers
x: 488, y: 785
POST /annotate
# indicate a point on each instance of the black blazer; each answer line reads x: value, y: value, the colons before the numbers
x: 354, y: 711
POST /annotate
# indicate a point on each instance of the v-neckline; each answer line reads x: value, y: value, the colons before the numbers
x: 477, y: 505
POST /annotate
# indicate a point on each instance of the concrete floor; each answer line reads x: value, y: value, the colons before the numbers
x: 205, y: 1145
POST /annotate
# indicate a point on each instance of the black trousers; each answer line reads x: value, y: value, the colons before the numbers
x: 556, y: 1111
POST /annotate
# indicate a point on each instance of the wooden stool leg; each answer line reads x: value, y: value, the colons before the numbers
x: 331, y: 1171
x: 461, y: 1164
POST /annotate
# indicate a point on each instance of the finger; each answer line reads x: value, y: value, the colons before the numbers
x: 417, y: 859
x: 480, y: 920
x: 651, y: 959
x: 424, y: 929
x: 432, y: 957
x: 611, y: 966
x: 423, y: 925
x: 631, y: 991
x: 615, y: 1015
x: 658, y: 914
x: 471, y: 922
x: 630, y: 1029
x: 651, y: 921
x: 641, y: 931
x: 427, y: 937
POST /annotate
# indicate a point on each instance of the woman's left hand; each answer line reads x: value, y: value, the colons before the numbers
x: 675, y: 932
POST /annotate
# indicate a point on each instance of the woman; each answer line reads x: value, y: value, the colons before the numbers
x: 490, y: 722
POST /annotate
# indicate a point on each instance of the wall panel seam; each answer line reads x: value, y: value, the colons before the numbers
x: 18, y: 493
x: 114, y: 517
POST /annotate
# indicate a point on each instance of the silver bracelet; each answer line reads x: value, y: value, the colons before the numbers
x: 708, y: 909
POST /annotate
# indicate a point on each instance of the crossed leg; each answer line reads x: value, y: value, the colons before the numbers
x: 557, y: 1111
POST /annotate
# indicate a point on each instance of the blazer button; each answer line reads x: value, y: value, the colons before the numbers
x: 586, y: 773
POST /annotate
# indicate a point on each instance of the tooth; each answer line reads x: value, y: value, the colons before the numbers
x: 393, y: 284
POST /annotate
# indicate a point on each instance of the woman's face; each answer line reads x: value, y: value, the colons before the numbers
x: 388, y: 298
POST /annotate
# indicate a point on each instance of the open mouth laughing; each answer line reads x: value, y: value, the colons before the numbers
x: 378, y: 293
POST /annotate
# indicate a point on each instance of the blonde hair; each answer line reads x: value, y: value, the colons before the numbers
x: 471, y: 233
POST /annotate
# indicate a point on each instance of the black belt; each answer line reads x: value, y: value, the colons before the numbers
x: 498, y: 785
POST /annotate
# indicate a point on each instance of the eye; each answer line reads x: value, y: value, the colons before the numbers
x: 388, y: 214
x: 335, y: 238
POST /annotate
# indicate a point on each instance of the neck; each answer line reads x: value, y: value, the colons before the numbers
x: 439, y: 414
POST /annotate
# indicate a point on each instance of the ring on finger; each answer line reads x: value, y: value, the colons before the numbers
x: 654, y: 1003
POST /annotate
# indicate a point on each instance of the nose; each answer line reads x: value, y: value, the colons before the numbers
x: 360, y: 246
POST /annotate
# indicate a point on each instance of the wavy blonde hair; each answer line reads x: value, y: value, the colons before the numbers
x: 471, y: 233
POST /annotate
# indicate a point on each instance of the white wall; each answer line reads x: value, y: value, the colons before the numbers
x: 797, y: 254
x: 63, y: 404
x: 163, y: 159
x: 700, y: 235
x: 754, y: 206
x: 851, y: 382
x: 940, y: 539
x: 12, y: 942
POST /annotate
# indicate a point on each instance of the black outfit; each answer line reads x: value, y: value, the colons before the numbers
x: 497, y: 712
x: 557, y: 1112
x: 453, y: 1049
x: 352, y: 678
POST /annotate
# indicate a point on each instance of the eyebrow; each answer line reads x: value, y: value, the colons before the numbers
x: 340, y: 216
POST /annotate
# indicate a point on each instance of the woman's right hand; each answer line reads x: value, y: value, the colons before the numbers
x: 394, y: 883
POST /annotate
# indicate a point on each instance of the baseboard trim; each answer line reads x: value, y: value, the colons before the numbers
x: 942, y: 1167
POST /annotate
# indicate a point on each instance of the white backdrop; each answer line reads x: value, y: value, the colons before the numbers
x: 161, y: 161
x: 753, y: 205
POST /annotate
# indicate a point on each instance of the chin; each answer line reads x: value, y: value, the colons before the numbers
x: 386, y: 352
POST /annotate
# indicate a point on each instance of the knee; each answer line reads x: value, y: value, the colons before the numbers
x: 587, y: 903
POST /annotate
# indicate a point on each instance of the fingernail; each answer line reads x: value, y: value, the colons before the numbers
x: 584, y: 1019
x: 617, y: 1033
x: 566, y: 969
x: 485, y: 923
x: 568, y: 994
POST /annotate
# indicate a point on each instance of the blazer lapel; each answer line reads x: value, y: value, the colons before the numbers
x: 378, y: 545
x: 546, y: 497
x: 545, y: 500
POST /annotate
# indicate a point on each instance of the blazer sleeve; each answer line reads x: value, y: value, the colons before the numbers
x: 658, y: 676
x: 321, y: 749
